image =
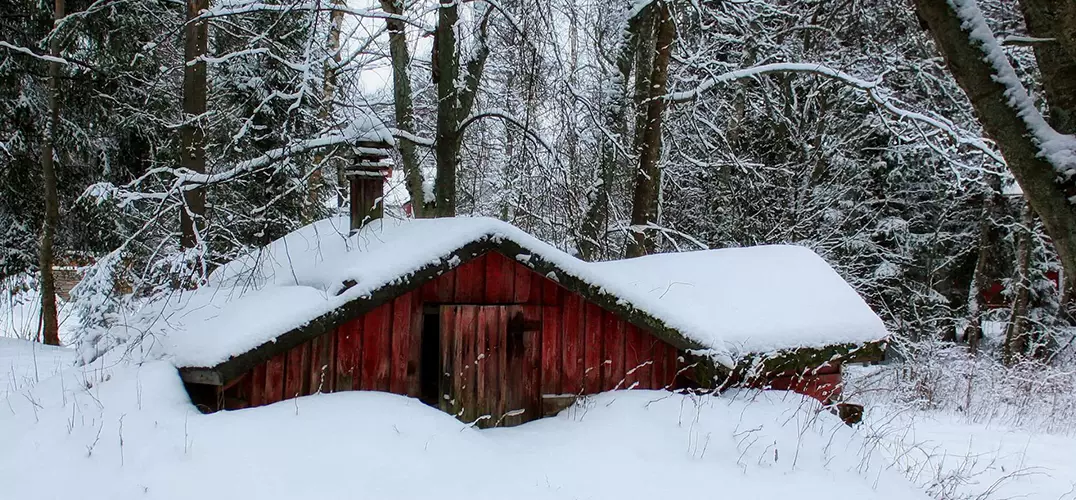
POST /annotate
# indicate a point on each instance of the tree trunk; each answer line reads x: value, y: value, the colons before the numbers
x: 1016, y: 334
x: 401, y: 92
x: 446, y: 72
x: 1056, y: 64
x: 453, y: 103
x: 316, y: 181
x: 1066, y: 25
x: 981, y: 277
x: 592, y: 243
x: 644, y: 64
x: 192, y: 136
x: 648, y: 177
x: 1037, y: 177
x: 49, y: 316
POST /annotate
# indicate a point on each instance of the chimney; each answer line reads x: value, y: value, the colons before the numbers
x: 366, y: 177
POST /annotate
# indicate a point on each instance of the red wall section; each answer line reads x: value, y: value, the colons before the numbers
x: 572, y: 347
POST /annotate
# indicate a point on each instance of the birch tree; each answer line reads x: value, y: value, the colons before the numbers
x: 403, y: 107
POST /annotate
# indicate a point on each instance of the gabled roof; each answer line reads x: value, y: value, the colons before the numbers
x: 728, y: 302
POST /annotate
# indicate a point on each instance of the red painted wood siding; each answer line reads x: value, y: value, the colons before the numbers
x: 577, y: 348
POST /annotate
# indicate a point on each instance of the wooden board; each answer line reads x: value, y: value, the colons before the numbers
x: 295, y: 378
x: 448, y: 358
x: 513, y: 367
x: 257, y: 385
x: 499, y: 340
x: 441, y: 289
x: 376, y: 349
x: 637, y: 359
x: 572, y: 341
x: 612, y: 352
x: 552, y: 355
x: 657, y: 370
x: 522, y: 283
x: 500, y: 279
x: 550, y: 292
x: 315, y: 365
x: 481, y: 365
x: 401, y: 354
x: 470, y: 281
x: 466, y: 332
x: 415, y: 342
x: 592, y: 349
x: 348, y: 350
x: 532, y: 364
x: 824, y: 388
x: 274, y: 379
x: 489, y: 373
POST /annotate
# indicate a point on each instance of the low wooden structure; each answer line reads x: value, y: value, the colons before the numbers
x: 488, y: 338
x: 493, y: 334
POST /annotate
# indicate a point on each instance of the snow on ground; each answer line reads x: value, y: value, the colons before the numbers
x: 23, y: 364
x: 953, y: 458
x: 964, y: 427
x: 20, y: 315
x: 124, y: 431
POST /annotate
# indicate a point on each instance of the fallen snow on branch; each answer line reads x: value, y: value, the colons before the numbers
x: 1056, y: 148
x: 871, y: 87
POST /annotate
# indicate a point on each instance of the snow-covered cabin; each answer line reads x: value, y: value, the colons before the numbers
x: 483, y: 320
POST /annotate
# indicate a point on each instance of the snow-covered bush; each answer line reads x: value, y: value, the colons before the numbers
x: 935, y: 376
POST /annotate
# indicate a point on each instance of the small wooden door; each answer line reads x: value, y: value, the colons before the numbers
x: 491, y: 363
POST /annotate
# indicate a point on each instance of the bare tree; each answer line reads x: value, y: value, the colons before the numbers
x: 980, y: 280
x: 1016, y: 336
x: 1009, y: 117
x: 192, y: 136
x: 648, y: 176
x: 316, y: 181
x: 402, y: 103
x: 454, y: 101
x: 46, y: 258
x: 1056, y: 56
x: 592, y: 242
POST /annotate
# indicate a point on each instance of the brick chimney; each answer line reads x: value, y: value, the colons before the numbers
x: 366, y: 177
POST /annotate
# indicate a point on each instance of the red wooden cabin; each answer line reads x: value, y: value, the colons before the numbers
x: 491, y: 333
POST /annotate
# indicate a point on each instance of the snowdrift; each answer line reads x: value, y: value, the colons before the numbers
x: 125, y: 431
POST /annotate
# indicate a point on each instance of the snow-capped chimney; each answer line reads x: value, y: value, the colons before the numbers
x: 367, y: 182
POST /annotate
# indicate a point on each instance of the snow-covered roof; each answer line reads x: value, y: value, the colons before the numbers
x: 732, y: 301
x: 369, y: 128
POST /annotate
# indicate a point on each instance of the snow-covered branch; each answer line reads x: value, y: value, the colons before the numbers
x: 1058, y: 149
x: 408, y: 136
x: 31, y: 53
x: 255, y: 6
x: 508, y: 117
x: 870, y: 87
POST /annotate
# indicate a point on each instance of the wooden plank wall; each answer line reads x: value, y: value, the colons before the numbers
x: 581, y: 348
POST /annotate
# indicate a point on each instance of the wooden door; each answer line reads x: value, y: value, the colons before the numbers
x: 491, y: 363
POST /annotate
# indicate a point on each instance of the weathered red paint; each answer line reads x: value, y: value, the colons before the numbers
x: 823, y: 387
x: 565, y: 345
x: 572, y: 335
